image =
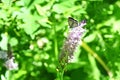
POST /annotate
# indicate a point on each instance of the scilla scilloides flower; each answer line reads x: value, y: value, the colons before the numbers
x: 9, y: 63
x: 74, y: 37
x: 8, y: 57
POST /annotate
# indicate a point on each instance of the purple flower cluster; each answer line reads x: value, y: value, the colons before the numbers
x: 72, y: 41
x: 10, y: 64
x: 9, y: 58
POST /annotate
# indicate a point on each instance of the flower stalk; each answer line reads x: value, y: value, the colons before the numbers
x: 88, y: 49
x: 74, y: 37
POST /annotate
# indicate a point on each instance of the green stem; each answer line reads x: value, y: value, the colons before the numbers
x: 55, y: 43
x: 88, y: 49
x: 61, y: 75
x: 61, y: 72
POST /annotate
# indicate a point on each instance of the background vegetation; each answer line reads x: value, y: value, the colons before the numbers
x: 36, y: 30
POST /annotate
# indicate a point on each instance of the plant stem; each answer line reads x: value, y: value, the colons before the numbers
x: 88, y: 49
x: 61, y: 72
x: 61, y: 75
x: 55, y: 43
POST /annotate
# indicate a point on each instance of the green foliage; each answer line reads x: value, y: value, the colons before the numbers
x: 36, y: 29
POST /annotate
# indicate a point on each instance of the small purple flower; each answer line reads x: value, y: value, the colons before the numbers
x: 9, y: 64
x: 7, y: 56
x: 72, y: 41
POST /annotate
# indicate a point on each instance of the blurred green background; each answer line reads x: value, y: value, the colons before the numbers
x: 36, y: 30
